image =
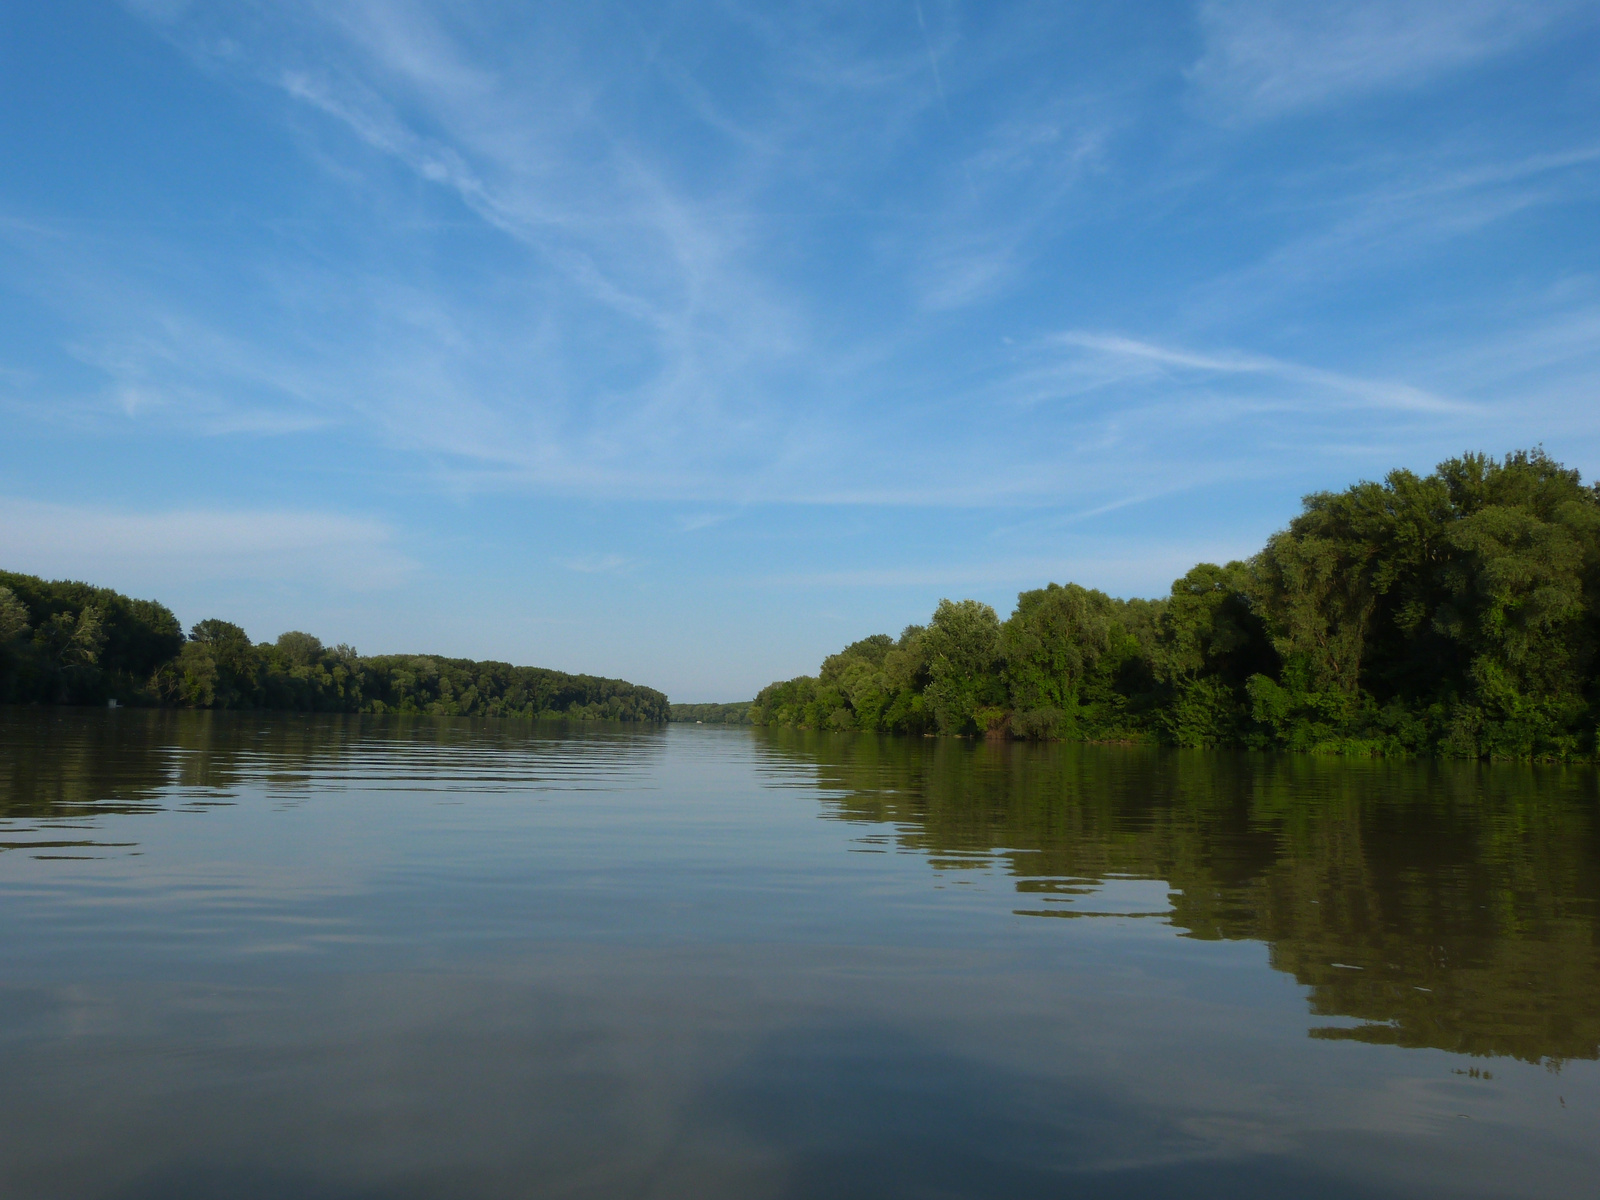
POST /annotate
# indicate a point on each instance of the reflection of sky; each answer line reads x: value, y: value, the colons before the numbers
x: 672, y: 974
x: 1108, y: 897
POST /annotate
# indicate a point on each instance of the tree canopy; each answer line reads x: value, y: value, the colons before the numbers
x: 1456, y: 613
x: 63, y: 642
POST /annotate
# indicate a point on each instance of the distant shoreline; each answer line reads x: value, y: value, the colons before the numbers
x: 64, y: 642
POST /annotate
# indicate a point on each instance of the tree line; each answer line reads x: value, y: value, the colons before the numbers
x: 1456, y: 614
x: 64, y: 642
x: 711, y: 714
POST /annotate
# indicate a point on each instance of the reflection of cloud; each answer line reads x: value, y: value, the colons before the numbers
x: 63, y: 541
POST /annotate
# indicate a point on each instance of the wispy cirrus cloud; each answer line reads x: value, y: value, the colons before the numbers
x: 189, y: 545
x: 684, y: 270
x: 1378, y: 216
x: 892, y: 285
x: 657, y: 299
x: 623, y: 252
x: 151, y: 355
x: 1116, y: 359
x: 599, y: 564
x: 1150, y: 569
x: 694, y: 522
x: 1264, y: 58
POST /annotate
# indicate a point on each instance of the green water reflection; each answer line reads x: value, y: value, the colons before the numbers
x: 60, y: 764
x: 1445, y: 905
x: 1449, y: 905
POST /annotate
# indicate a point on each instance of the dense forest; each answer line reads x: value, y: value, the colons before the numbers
x: 1456, y: 613
x: 70, y: 643
x: 711, y: 714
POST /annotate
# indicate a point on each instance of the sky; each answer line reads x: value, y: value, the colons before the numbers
x: 687, y: 342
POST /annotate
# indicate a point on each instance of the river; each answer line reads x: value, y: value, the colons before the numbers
x: 270, y: 956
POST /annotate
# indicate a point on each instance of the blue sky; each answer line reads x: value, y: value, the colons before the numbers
x: 687, y: 342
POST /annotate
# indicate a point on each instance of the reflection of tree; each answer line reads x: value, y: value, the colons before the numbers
x: 1452, y: 905
x: 63, y: 763
x: 69, y: 764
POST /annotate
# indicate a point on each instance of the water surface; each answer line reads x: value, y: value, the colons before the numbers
x: 346, y: 957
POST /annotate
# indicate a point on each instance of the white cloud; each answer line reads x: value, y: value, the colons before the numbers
x: 156, y: 548
x: 1392, y: 215
x: 697, y: 521
x: 676, y: 273
x: 1145, y: 569
x: 663, y: 261
x: 1130, y: 358
x: 599, y: 564
x: 159, y: 10
x: 651, y: 308
x: 1266, y: 57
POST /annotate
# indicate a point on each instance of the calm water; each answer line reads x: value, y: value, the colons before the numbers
x: 362, y: 958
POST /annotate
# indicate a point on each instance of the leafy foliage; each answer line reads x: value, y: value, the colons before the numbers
x: 711, y: 714
x: 63, y: 642
x: 72, y: 643
x: 1456, y: 613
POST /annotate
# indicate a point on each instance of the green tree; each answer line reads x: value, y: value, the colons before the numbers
x: 1057, y: 639
x: 1209, y: 642
x: 300, y: 649
x: 232, y: 677
x: 13, y: 617
x: 1457, y: 613
x: 966, y: 688
x: 88, y: 638
x: 74, y: 639
x: 194, y: 677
